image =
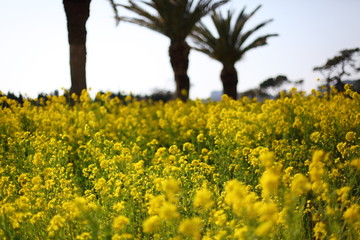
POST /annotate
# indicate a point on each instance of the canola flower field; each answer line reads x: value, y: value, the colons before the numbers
x: 105, y: 169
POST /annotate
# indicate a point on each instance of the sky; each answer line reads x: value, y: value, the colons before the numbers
x: 34, y: 50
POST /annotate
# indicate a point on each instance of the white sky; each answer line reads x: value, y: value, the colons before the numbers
x: 128, y: 58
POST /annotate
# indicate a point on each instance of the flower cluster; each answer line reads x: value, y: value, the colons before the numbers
x: 105, y: 169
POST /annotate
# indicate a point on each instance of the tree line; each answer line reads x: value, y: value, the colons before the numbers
x: 178, y: 20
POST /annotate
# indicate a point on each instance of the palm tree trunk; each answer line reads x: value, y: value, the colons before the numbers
x: 77, y: 13
x: 229, y: 80
x: 179, y: 58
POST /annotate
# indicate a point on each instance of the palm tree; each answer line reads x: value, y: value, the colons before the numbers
x: 77, y: 13
x: 229, y: 46
x: 175, y: 19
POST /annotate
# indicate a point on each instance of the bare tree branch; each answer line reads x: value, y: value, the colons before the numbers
x: 117, y: 17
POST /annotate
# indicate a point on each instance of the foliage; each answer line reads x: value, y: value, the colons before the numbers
x: 231, y: 41
x: 42, y: 98
x: 274, y: 82
x: 230, y: 44
x: 338, y: 67
x: 270, y: 88
x: 173, y: 18
x: 281, y: 169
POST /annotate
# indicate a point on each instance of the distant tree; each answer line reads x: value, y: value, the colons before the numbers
x: 274, y: 84
x: 230, y: 44
x: 338, y: 67
x: 176, y: 20
x: 159, y: 95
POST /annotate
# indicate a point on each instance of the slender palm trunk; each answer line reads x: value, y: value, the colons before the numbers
x: 179, y: 58
x: 77, y: 13
x: 229, y: 80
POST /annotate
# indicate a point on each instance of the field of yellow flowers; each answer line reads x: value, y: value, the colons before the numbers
x: 111, y: 169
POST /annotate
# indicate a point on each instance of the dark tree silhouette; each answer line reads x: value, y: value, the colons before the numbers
x: 270, y: 88
x: 176, y: 20
x: 336, y: 68
x: 77, y: 13
x: 229, y: 45
x: 274, y: 82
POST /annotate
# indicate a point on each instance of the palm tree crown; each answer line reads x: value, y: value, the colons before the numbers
x: 175, y: 19
x: 230, y: 44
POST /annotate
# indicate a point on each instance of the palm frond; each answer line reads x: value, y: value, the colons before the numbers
x: 173, y: 18
x: 145, y: 19
x: 143, y: 23
x: 260, y: 41
x: 204, y: 39
x: 240, y: 23
x: 228, y: 46
x: 241, y: 40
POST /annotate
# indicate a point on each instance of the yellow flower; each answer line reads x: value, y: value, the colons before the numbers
x: 36, y: 180
x: 155, y: 204
x: 352, y: 214
x: 56, y: 223
x: 246, y: 151
x: 184, y: 92
x: 117, y: 146
x: 168, y: 211
x: 342, y: 193
x: 84, y: 236
x: 120, y: 222
x: 22, y: 202
x: 170, y: 186
x: 341, y: 148
x: 267, y: 159
x: 173, y: 149
x: 300, y: 185
x: 188, y: 147
x: 269, y: 182
x: 139, y: 165
x: 100, y: 184
x: 286, y: 178
x: 152, y: 224
x: 314, y: 137
x: 235, y: 193
x: 320, y: 231
x: 355, y: 163
x: 268, y: 211
x: 219, y: 235
x: 36, y: 217
x: 191, y: 227
x: 264, y: 228
x: 297, y: 123
x: 38, y: 159
x: 333, y: 237
x: 23, y: 179
x: 49, y: 184
x: 239, y: 233
x: 122, y: 236
x: 118, y: 207
x: 203, y: 199
x: 200, y: 137
x: 350, y: 136
x: 316, y: 168
x: 219, y: 217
